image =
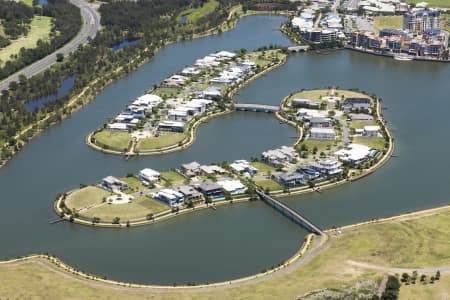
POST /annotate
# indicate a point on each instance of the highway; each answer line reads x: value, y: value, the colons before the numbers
x: 91, y: 25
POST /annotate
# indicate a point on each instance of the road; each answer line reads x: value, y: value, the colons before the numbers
x: 91, y: 25
x: 397, y: 270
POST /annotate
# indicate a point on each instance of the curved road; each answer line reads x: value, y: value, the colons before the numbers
x: 91, y: 25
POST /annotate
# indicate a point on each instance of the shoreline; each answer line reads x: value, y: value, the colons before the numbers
x: 307, y: 251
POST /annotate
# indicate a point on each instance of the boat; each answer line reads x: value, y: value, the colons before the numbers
x: 403, y: 57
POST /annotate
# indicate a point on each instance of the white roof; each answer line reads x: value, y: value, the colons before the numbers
x: 353, y: 152
x: 322, y: 130
x: 147, y: 172
x: 372, y: 128
x: 171, y: 123
x: 231, y: 185
x: 118, y: 126
x: 169, y: 193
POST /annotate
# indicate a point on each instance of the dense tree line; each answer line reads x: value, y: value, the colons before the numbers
x: 67, y: 22
x: 16, y: 18
x: 268, y: 5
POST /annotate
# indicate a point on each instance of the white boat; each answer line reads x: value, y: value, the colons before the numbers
x: 403, y: 57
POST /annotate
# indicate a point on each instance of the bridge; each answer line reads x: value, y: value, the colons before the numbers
x: 256, y: 107
x: 289, y: 213
x: 298, y: 48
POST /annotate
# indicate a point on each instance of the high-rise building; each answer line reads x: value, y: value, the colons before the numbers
x: 421, y: 20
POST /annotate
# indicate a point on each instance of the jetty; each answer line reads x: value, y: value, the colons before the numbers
x: 289, y: 213
x: 256, y: 107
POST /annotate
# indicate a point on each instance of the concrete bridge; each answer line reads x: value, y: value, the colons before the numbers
x: 298, y: 48
x: 256, y: 107
x: 289, y: 213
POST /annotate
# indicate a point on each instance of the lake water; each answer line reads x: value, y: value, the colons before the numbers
x: 240, y: 239
x: 65, y: 87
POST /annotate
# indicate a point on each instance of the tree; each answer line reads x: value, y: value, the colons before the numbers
x: 116, y: 220
x: 149, y: 216
x: 59, y: 57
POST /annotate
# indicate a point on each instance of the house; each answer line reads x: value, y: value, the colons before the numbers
x: 356, y: 104
x: 191, y: 169
x: 353, y: 153
x: 320, y: 122
x: 306, y: 114
x: 243, y: 166
x: 174, y: 126
x: 169, y: 196
x: 371, y: 131
x: 279, y: 156
x: 211, y: 189
x: 178, y: 114
x: 328, y: 166
x: 118, y: 126
x: 233, y: 186
x: 360, y: 117
x: 290, y: 179
x: 318, y: 133
x: 190, y: 71
x: 149, y: 175
x: 114, y: 184
x: 309, y: 173
x: 212, y: 92
x: 212, y: 170
x: 189, y: 192
x: 305, y: 103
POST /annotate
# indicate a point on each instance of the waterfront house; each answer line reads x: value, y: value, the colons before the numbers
x: 318, y: 133
x: 305, y: 103
x: 169, y: 196
x: 309, y: 173
x: 360, y: 117
x: 279, y: 156
x: 190, y: 71
x: 149, y: 175
x: 174, y: 126
x: 118, y: 126
x: 189, y: 192
x: 191, y: 169
x: 212, y: 170
x: 290, y: 179
x: 354, y: 153
x: 212, y: 92
x: 211, y: 189
x: 328, y: 167
x: 178, y: 114
x: 243, y: 166
x: 356, y: 104
x: 114, y: 184
x: 371, y: 131
x: 233, y: 186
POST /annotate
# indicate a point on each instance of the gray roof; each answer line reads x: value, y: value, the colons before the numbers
x: 209, y: 185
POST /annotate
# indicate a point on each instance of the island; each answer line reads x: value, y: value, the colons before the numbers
x: 342, y: 138
x: 165, y: 119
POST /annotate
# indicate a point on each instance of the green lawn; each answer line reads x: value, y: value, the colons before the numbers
x: 166, y: 92
x: 419, y: 242
x: 118, y: 140
x: 193, y: 14
x: 269, y: 184
x: 135, y: 185
x: 361, y: 124
x: 84, y: 197
x: 172, y: 177
x: 262, y: 167
x: 436, y: 3
x: 40, y: 30
x: 316, y: 95
x: 138, y: 208
x: 321, y: 145
x: 374, y: 143
x: 395, y: 22
x: 264, y: 59
x: 164, y: 140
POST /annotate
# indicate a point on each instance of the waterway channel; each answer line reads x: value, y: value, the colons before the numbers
x: 240, y: 239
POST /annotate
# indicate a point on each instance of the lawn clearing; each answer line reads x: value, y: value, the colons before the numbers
x: 117, y: 140
x: 164, y: 140
x: 316, y: 95
x: 269, y: 184
x: 322, y: 146
x: 172, y: 177
x: 138, y: 208
x: 166, y: 92
x: 40, y: 30
x: 432, y: 3
x: 135, y: 185
x: 262, y: 167
x: 194, y: 14
x: 373, y: 143
x: 265, y: 58
x: 87, y: 196
x: 392, y: 22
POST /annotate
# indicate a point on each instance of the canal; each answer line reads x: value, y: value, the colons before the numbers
x: 239, y: 239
